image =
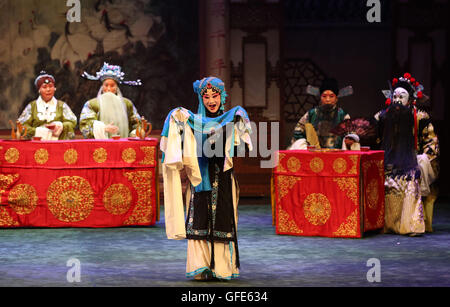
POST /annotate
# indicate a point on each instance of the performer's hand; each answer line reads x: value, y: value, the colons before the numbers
x: 349, y: 142
x: 57, y: 130
x: 51, y: 126
x: 111, y: 128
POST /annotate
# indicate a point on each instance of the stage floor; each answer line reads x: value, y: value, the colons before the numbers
x: 143, y: 257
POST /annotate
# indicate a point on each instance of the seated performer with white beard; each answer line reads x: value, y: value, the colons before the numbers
x: 109, y: 113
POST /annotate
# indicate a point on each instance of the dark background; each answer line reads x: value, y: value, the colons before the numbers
x: 334, y: 39
x: 324, y: 38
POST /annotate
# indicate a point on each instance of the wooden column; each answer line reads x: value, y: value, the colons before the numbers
x: 214, y: 39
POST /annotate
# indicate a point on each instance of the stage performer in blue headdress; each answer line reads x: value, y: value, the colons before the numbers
x: 205, y: 144
x: 109, y: 113
x: 411, y: 159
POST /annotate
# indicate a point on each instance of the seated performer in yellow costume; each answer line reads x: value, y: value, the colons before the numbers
x: 47, y: 117
x: 109, y: 113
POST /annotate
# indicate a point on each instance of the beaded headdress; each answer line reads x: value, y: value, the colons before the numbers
x: 200, y: 87
x: 111, y: 72
x: 43, y: 78
x: 410, y: 84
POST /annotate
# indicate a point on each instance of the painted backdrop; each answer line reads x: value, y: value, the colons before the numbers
x: 153, y: 40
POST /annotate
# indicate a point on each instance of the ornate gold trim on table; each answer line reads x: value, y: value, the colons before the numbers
x: 41, y: 156
x: 142, y: 183
x: 317, y: 209
x: 100, y: 155
x: 286, y: 224
x: 23, y: 199
x: 280, y: 167
x: 117, y: 199
x: 354, y: 169
x: 71, y: 156
x: 70, y: 198
x: 149, y: 152
x: 372, y: 194
x: 5, y: 218
x: 379, y: 164
x: 129, y: 155
x: 340, y: 165
x: 349, y: 186
x: 12, y: 155
x: 349, y: 227
x: 293, y: 164
x: 285, y: 184
x: 316, y: 165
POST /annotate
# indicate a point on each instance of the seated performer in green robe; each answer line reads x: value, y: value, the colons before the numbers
x: 314, y: 128
x: 109, y: 113
x: 47, y: 117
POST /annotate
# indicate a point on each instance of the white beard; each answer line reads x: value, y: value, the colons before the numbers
x: 112, y: 109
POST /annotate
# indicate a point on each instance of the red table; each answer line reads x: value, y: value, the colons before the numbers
x: 328, y: 193
x: 79, y: 183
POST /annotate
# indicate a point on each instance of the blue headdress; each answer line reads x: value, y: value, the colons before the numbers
x: 201, y: 123
x: 200, y: 87
x: 111, y: 72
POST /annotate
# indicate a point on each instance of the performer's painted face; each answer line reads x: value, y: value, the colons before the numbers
x: 109, y: 86
x: 47, y: 91
x: 401, y: 96
x: 211, y: 100
x: 329, y: 98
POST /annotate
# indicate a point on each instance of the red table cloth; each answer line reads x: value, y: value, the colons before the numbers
x: 79, y: 183
x: 328, y: 193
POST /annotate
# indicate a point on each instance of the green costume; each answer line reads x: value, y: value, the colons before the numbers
x: 323, y: 121
x: 90, y: 114
x: 38, y: 113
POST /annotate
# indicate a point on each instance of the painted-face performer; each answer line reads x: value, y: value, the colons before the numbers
x: 109, y: 113
x: 204, y: 144
x: 411, y: 159
x: 314, y: 128
x: 47, y: 117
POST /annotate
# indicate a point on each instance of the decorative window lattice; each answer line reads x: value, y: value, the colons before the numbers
x: 298, y: 74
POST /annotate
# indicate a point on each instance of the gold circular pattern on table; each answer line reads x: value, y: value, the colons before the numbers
x: 339, y: 165
x: 100, y: 155
x: 41, y: 156
x: 23, y: 199
x: 293, y: 164
x: 117, y: 199
x: 316, y: 165
x: 12, y: 155
x: 70, y: 199
x: 129, y: 155
x: 372, y: 194
x: 71, y: 156
x: 317, y: 209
